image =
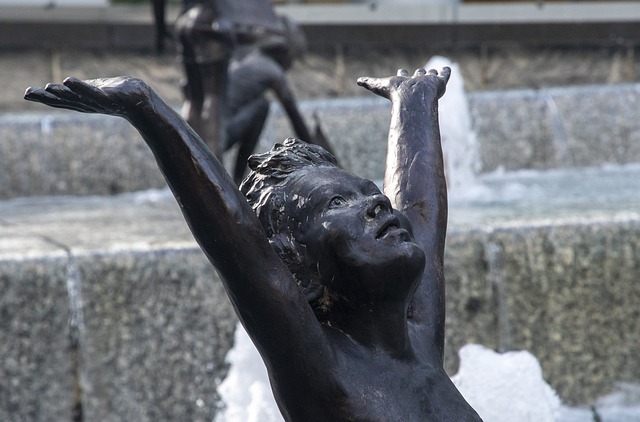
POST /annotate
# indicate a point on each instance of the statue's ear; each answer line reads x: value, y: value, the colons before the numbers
x: 294, y: 255
x: 310, y: 281
x: 285, y: 247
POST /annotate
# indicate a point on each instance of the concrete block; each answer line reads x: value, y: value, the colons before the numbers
x: 558, y: 127
x: 513, y: 130
x: 153, y: 323
x: 569, y: 294
x: 37, y: 362
x: 68, y: 154
x: 599, y: 125
x: 472, y: 305
x: 158, y: 326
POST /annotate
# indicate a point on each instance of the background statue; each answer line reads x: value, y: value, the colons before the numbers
x: 340, y: 287
x: 160, y: 24
x: 237, y: 49
x: 205, y: 37
x: 206, y: 33
x: 255, y: 70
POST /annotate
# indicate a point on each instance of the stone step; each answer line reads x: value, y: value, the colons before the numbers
x: 108, y: 302
x: 565, y: 127
x: 73, y: 154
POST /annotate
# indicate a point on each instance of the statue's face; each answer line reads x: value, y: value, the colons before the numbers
x: 353, y: 235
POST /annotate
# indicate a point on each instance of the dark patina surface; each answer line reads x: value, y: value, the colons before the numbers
x: 340, y: 287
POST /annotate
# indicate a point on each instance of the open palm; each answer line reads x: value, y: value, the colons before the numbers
x: 113, y: 96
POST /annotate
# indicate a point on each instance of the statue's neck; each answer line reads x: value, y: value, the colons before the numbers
x: 376, y: 325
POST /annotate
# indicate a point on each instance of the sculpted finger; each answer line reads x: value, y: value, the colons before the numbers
x: 39, y: 95
x: 33, y: 93
x: 420, y: 72
x: 445, y: 73
x: 370, y: 83
x: 90, y: 94
x: 402, y: 72
x: 80, y: 86
x: 72, y: 99
x: 365, y: 82
x: 62, y: 92
x: 433, y: 72
x: 43, y: 95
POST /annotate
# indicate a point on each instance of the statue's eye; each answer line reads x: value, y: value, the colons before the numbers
x: 337, y: 201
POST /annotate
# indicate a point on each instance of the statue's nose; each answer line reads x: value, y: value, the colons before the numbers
x: 377, y: 204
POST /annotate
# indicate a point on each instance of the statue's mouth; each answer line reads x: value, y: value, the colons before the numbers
x: 390, y: 224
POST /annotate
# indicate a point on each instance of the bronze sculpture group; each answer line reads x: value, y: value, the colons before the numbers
x: 340, y: 286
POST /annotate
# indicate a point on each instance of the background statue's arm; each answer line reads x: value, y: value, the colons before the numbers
x: 260, y: 286
x: 415, y: 182
x: 282, y: 90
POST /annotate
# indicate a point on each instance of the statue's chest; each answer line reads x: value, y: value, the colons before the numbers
x: 379, y: 388
x: 364, y: 386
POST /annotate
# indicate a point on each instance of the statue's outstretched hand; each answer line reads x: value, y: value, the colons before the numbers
x: 421, y: 81
x: 113, y: 96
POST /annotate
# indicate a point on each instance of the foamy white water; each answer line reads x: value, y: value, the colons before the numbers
x: 246, y: 391
x: 505, y: 387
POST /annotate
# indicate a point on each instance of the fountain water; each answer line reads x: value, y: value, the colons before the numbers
x: 246, y: 392
x: 505, y: 387
x: 459, y: 142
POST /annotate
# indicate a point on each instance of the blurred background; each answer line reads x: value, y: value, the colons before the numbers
x: 108, y: 309
x: 498, y: 44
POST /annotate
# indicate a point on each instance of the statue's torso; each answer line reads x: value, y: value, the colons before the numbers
x: 360, y: 384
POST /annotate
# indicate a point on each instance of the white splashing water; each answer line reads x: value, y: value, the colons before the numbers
x: 246, y: 391
x: 501, y: 387
x: 459, y: 142
x: 505, y: 387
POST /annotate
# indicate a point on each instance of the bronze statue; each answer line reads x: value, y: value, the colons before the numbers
x: 255, y: 70
x: 158, y: 8
x: 340, y: 287
x: 233, y: 53
x: 205, y: 39
x: 207, y: 32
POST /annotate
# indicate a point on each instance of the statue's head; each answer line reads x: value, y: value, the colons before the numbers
x: 268, y: 190
x: 286, y: 46
x: 335, y: 231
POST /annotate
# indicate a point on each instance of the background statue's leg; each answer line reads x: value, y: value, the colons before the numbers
x: 159, y: 7
x: 193, y: 97
x: 244, y: 128
x: 214, y: 89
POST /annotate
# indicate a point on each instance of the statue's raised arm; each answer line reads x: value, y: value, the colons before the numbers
x: 415, y: 183
x: 218, y: 214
